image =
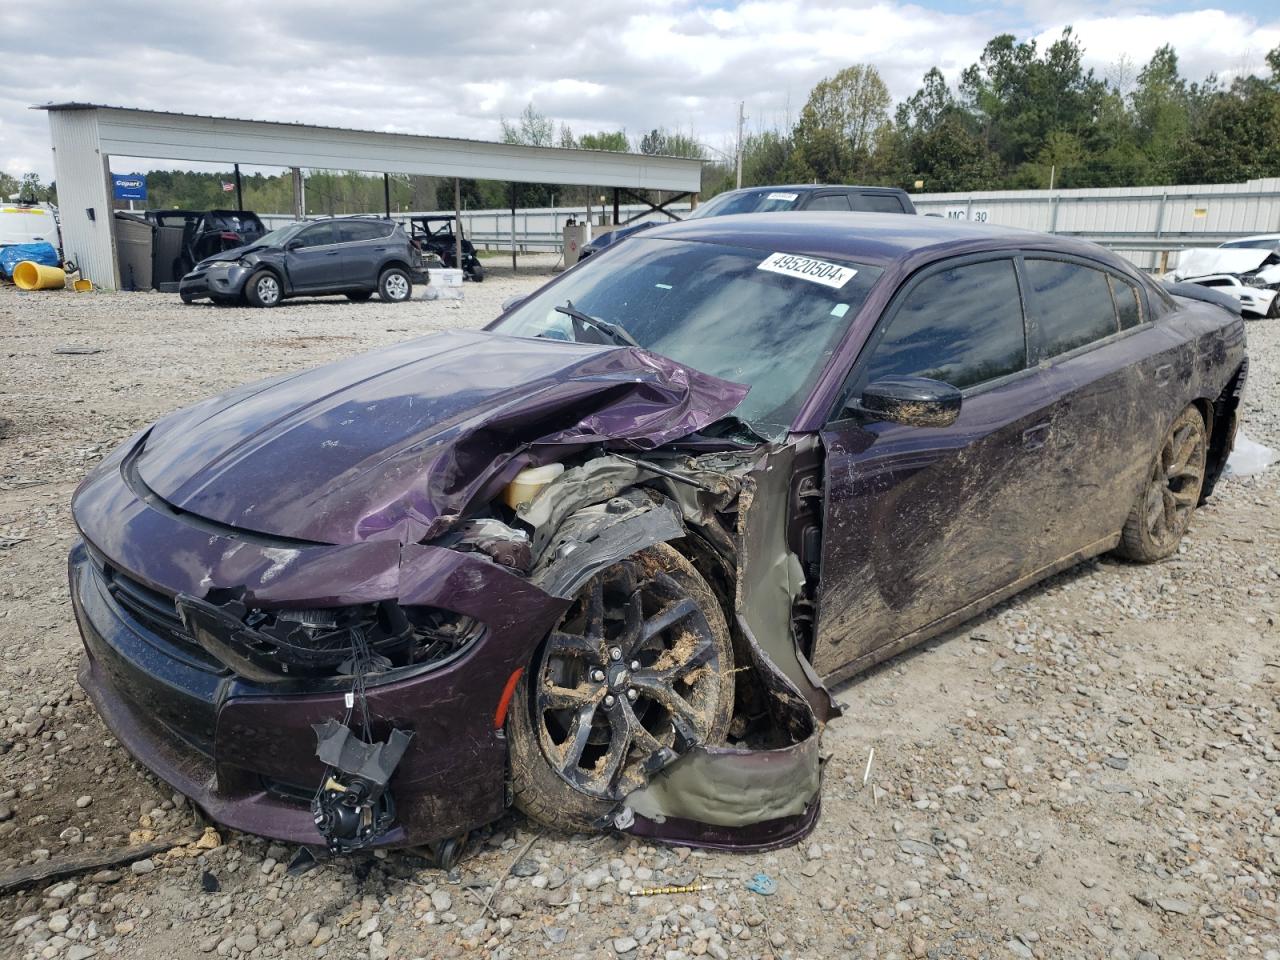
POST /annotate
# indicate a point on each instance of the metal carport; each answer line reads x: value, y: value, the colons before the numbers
x: 86, y: 135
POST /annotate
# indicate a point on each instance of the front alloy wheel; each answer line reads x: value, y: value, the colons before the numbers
x: 263, y: 289
x: 638, y: 671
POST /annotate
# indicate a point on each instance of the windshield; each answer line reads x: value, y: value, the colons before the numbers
x: 1255, y: 243
x: 746, y: 201
x: 768, y: 320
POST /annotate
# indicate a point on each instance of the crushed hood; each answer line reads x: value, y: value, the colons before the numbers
x: 1204, y: 261
x: 399, y: 442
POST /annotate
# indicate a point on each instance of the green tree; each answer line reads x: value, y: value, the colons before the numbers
x: 615, y: 140
x: 835, y: 134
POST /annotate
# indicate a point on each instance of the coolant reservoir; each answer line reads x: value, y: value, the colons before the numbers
x: 528, y: 483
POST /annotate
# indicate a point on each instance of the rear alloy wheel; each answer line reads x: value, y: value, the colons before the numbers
x: 263, y: 289
x: 638, y: 671
x: 394, y: 285
x: 1163, y: 511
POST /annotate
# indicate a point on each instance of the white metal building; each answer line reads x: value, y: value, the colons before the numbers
x: 85, y: 136
x: 1143, y: 223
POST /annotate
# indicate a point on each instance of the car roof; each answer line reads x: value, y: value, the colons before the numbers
x: 873, y: 238
x: 1255, y: 237
x: 813, y: 187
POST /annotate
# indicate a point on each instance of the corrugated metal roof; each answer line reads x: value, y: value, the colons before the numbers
x: 77, y: 105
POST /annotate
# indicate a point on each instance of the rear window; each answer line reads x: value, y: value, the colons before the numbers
x: 354, y: 231
x: 877, y: 203
x: 1071, y: 306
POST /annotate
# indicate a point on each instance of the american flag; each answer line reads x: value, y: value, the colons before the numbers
x: 227, y: 187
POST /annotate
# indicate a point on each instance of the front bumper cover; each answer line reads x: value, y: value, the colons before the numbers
x: 215, y: 281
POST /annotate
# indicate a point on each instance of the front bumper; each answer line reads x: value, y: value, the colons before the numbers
x: 245, y: 752
x: 1254, y: 299
x: 217, y: 281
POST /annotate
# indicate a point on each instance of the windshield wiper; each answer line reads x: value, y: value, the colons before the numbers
x: 613, y: 331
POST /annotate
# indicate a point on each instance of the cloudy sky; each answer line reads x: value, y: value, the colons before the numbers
x: 457, y: 69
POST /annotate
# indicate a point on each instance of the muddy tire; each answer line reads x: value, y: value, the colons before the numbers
x: 1273, y: 311
x: 1162, y: 513
x: 263, y: 290
x: 585, y: 725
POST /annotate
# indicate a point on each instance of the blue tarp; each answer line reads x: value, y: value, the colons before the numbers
x: 42, y: 253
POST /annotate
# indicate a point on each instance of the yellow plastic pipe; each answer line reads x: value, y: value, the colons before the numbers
x: 36, y: 276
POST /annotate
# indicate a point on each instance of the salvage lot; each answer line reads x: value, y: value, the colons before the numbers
x: 1089, y: 770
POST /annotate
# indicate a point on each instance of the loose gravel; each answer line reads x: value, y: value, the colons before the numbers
x: 1089, y: 770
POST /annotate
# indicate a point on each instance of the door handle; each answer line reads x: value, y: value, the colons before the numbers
x: 1033, y: 438
x: 334, y: 253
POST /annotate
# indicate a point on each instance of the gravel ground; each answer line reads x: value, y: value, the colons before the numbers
x: 1087, y: 771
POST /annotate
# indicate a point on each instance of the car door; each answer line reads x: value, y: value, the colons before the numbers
x: 921, y: 521
x: 1111, y: 379
x: 313, y: 260
x: 365, y: 244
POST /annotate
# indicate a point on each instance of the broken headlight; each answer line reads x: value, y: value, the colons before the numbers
x: 264, y: 644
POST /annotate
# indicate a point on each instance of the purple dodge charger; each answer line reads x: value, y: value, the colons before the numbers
x: 604, y: 559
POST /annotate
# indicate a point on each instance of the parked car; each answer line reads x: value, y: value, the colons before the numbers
x: 434, y: 234
x: 1247, y: 269
x: 354, y: 256
x: 206, y: 233
x: 22, y: 223
x: 606, y: 556
x: 808, y: 196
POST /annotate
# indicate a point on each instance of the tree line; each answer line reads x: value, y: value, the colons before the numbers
x: 1024, y: 116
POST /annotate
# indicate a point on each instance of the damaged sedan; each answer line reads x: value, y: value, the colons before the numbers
x: 1247, y: 270
x: 604, y: 559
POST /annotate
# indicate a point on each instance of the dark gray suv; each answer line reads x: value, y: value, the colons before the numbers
x: 355, y: 256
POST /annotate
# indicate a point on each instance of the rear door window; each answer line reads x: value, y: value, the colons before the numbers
x: 829, y: 201
x: 1128, y: 304
x: 1070, y: 306
x: 877, y: 203
x: 962, y: 325
x: 355, y: 231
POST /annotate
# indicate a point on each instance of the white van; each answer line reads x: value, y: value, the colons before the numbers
x: 27, y: 223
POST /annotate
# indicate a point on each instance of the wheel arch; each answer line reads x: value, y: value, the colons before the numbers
x: 286, y: 288
x: 1220, y: 417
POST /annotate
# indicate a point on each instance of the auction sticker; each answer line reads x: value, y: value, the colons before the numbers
x: 789, y: 197
x: 807, y: 268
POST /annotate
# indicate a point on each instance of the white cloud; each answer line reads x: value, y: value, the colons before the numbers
x: 455, y: 70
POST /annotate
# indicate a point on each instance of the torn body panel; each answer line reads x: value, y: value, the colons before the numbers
x: 196, y: 651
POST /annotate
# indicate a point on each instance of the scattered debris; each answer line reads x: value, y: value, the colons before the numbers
x: 658, y: 891
x: 70, y: 866
x: 763, y: 884
x: 76, y: 349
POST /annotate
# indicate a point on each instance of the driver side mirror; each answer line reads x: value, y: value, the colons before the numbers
x: 294, y: 245
x: 511, y: 303
x: 911, y: 401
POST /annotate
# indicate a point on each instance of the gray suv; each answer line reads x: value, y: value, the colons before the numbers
x: 355, y: 256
